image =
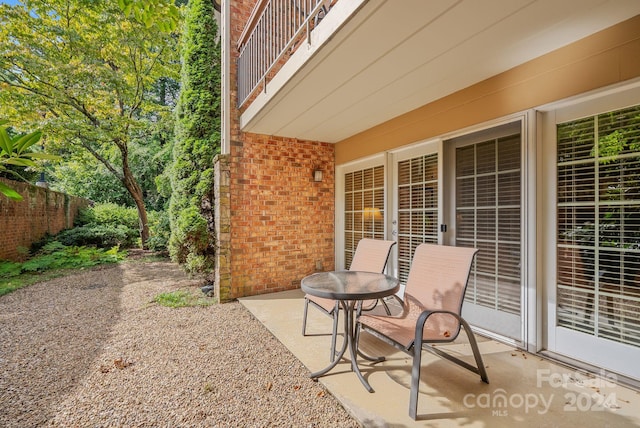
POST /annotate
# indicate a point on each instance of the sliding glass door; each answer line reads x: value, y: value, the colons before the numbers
x: 595, y: 215
x: 467, y: 192
x: 486, y: 175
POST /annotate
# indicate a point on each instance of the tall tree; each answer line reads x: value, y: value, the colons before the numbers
x: 197, y: 140
x: 149, y: 156
x: 84, y: 71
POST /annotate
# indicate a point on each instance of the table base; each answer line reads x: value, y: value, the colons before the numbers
x: 349, y: 343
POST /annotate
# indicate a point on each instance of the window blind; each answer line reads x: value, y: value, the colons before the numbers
x: 598, y: 217
x: 417, y: 208
x: 364, y: 208
x: 488, y: 218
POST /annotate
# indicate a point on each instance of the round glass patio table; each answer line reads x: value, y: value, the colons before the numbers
x: 349, y: 288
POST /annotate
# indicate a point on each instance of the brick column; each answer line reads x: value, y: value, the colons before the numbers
x: 223, y: 228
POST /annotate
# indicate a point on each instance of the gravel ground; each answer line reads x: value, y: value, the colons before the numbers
x: 92, y: 350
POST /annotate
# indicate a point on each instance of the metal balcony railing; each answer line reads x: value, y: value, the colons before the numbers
x: 274, y: 28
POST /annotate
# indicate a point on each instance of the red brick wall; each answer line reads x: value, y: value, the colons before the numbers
x: 282, y: 221
x: 41, y: 211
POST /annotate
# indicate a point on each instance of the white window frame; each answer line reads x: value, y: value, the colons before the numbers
x: 554, y: 342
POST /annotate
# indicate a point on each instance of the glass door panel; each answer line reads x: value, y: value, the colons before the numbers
x: 596, y: 317
x: 417, y: 207
x: 364, y: 208
x: 487, y: 216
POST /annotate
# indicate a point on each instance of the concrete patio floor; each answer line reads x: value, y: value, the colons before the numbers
x: 525, y: 389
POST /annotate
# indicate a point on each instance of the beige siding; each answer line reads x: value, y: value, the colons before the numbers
x: 605, y: 58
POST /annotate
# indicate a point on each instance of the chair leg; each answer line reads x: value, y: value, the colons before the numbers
x: 476, y: 351
x: 304, y: 317
x: 415, y: 380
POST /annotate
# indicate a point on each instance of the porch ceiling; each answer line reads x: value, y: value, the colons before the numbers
x: 389, y: 57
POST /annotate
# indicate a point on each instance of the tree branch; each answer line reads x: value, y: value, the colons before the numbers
x: 99, y: 157
x: 69, y: 100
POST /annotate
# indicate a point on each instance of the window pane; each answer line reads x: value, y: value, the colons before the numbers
x: 598, y: 254
x: 364, y: 208
x: 417, y: 207
x: 488, y: 218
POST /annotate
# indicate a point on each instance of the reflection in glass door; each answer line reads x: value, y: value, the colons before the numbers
x: 595, y: 317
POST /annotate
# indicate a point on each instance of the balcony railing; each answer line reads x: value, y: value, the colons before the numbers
x: 273, y: 30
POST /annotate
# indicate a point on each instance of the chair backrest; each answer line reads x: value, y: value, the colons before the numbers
x: 371, y: 255
x: 438, y: 278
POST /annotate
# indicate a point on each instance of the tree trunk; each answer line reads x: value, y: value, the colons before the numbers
x: 135, y: 191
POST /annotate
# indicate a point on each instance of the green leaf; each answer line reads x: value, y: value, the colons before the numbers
x: 27, y: 141
x: 9, y: 192
x: 5, y: 142
x: 20, y: 162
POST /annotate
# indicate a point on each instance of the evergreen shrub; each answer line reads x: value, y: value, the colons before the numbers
x: 197, y: 141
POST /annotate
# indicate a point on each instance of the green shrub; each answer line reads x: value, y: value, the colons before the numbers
x: 65, y: 257
x: 190, y: 241
x: 101, y: 236
x: 85, y: 216
x: 52, y: 247
x: 160, y: 230
x: 108, y: 214
x: 9, y: 269
x: 196, y: 141
x: 104, y: 226
x: 36, y: 246
x: 107, y: 225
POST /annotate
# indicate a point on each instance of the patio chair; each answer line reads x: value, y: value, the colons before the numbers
x: 371, y: 256
x: 431, y: 311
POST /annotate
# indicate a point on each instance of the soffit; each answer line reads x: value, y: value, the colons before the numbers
x: 390, y: 57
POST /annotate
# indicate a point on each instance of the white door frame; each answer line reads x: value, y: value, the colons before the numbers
x: 578, y: 348
x: 527, y: 316
x: 371, y: 161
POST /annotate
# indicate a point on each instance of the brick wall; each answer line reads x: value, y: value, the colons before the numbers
x: 41, y: 211
x: 222, y: 221
x: 282, y: 221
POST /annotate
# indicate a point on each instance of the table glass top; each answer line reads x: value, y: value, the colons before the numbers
x: 350, y: 285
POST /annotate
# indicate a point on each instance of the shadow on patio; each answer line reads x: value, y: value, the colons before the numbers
x: 525, y: 389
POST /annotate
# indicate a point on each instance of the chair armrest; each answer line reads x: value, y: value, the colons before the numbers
x: 424, y: 316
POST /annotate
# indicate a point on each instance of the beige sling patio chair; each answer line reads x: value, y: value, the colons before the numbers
x: 431, y: 311
x: 371, y: 256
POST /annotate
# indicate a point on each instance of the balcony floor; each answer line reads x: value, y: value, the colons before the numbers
x: 525, y: 389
